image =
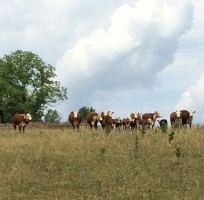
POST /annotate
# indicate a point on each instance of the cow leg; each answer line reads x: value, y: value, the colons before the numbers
x: 73, y: 126
x: 95, y: 125
x: 90, y: 126
x: 14, y: 127
x: 23, y: 129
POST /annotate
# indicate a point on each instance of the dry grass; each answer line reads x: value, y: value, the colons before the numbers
x: 62, y: 164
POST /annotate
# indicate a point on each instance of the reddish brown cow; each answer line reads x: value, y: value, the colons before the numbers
x: 92, y: 119
x: 106, y: 119
x: 175, y: 119
x: 152, y: 116
x: 126, y: 123
x: 21, y: 120
x: 187, y: 117
x: 75, y: 119
x: 145, y: 122
x: 134, y: 117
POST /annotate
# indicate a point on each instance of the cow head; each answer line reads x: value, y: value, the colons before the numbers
x: 190, y: 116
x: 178, y: 114
x: 75, y: 114
x: 110, y: 113
x: 150, y: 121
x: 157, y: 114
x: 191, y: 113
x: 28, y: 117
x: 135, y: 115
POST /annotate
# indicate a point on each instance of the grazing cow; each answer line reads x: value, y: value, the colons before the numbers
x: 175, y: 119
x: 21, y: 120
x: 92, y: 119
x: 187, y: 117
x: 126, y: 123
x: 134, y: 117
x: 152, y: 116
x: 145, y: 122
x: 163, y: 123
x: 106, y: 119
x: 75, y: 119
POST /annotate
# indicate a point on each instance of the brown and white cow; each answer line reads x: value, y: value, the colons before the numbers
x: 175, y: 119
x: 106, y: 119
x: 187, y: 117
x: 134, y: 118
x: 145, y: 122
x: 126, y: 123
x: 75, y: 118
x: 93, y: 118
x: 118, y: 123
x: 21, y: 120
x: 152, y: 116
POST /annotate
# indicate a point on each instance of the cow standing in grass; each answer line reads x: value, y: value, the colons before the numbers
x: 152, y: 116
x: 21, y: 120
x: 163, y: 123
x: 118, y: 123
x: 187, y: 117
x: 175, y: 119
x: 75, y: 119
x: 134, y: 118
x: 92, y: 119
x: 107, y: 120
x: 146, y: 123
x: 126, y: 123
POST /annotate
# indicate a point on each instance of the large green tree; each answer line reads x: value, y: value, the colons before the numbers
x: 28, y: 84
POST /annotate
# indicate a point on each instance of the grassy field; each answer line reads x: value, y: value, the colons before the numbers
x: 63, y: 164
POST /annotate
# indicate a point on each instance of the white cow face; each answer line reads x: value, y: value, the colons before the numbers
x: 178, y: 114
x: 191, y: 113
x: 110, y: 113
x: 100, y: 117
x: 28, y: 117
x: 75, y: 114
x: 158, y: 115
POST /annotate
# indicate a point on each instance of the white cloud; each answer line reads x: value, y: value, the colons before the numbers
x: 139, y: 43
x: 192, y: 98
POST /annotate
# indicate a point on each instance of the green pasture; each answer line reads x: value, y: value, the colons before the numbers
x: 116, y: 165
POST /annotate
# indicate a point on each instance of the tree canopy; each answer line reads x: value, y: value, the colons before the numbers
x: 28, y: 84
x: 52, y: 116
x: 85, y: 110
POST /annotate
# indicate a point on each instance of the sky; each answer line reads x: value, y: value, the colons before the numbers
x: 120, y: 55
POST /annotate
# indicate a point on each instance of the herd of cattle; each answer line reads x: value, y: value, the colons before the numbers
x: 134, y: 121
x: 105, y: 119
